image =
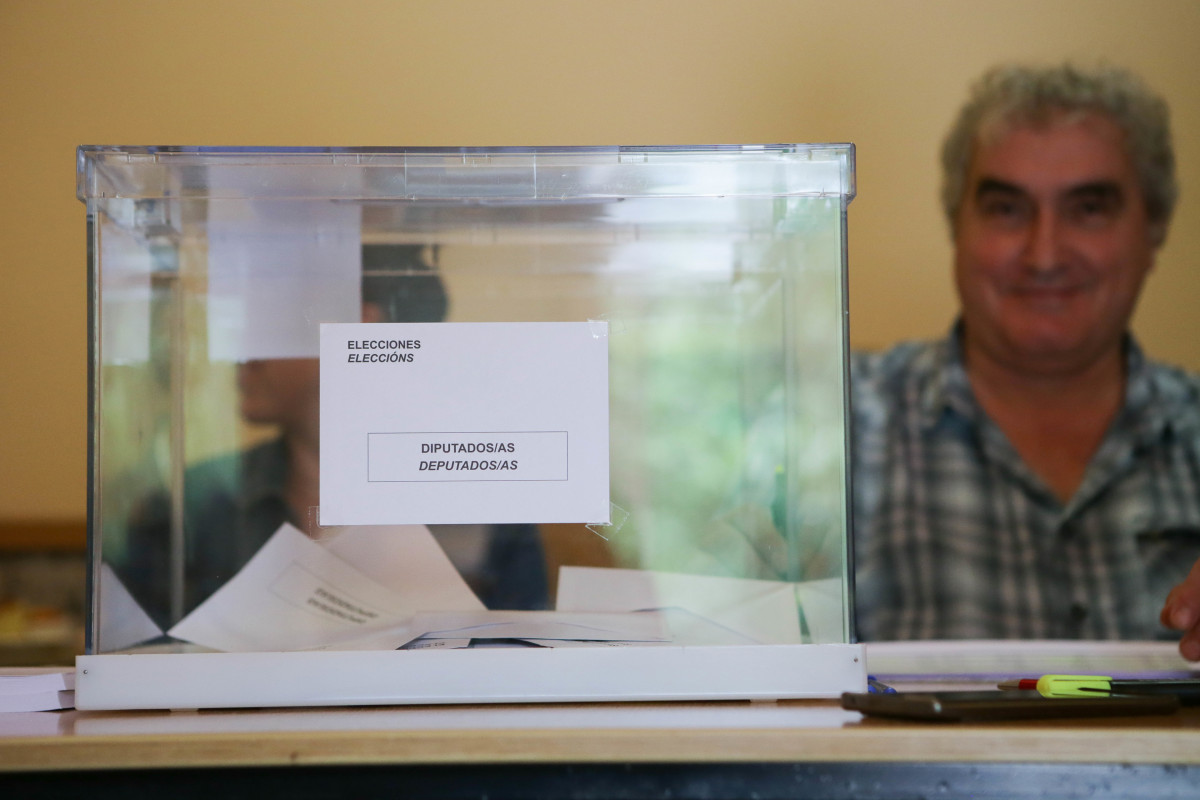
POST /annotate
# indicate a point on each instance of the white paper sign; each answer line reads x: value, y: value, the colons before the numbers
x: 464, y: 423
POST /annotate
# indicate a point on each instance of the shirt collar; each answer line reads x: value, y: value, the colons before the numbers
x: 1156, y: 399
x: 946, y: 386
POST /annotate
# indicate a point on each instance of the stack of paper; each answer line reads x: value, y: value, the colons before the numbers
x: 393, y: 587
x: 38, y: 691
x: 537, y: 628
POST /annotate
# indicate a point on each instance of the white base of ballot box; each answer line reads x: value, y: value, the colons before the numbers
x: 492, y: 675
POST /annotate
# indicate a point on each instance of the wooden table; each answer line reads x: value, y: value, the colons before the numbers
x: 786, y: 749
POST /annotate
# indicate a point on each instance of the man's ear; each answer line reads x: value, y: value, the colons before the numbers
x: 372, y: 312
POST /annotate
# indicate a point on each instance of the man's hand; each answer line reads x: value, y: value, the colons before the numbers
x: 1182, y: 612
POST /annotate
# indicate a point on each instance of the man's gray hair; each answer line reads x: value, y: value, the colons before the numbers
x: 1020, y: 94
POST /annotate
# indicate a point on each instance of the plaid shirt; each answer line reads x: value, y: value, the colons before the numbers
x: 955, y: 537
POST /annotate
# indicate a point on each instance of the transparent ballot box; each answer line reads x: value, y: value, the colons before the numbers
x: 377, y: 426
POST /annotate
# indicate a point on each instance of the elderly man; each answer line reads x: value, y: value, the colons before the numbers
x: 1033, y: 475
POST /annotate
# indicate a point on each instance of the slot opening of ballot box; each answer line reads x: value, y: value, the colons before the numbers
x: 471, y: 401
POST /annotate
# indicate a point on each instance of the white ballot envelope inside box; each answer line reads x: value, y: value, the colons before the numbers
x: 464, y: 423
x: 362, y: 584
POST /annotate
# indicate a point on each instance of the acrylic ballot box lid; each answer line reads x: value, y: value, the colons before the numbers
x: 447, y: 425
x: 465, y: 174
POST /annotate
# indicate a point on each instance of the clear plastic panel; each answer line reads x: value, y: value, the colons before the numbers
x: 719, y: 273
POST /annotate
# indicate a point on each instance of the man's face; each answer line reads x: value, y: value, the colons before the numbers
x: 280, y: 391
x: 1052, y: 244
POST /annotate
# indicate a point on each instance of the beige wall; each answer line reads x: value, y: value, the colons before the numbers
x: 884, y: 75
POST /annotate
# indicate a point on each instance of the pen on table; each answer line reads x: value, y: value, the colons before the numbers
x: 1187, y: 690
x: 1024, y: 683
x: 875, y: 687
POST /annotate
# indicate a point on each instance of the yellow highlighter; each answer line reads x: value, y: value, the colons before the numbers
x: 1188, y: 691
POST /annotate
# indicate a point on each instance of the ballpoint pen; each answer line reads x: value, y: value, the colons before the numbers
x: 876, y: 687
x: 1187, y: 690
